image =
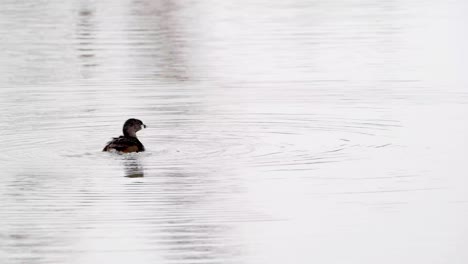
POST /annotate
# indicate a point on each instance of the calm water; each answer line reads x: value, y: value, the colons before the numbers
x: 278, y: 131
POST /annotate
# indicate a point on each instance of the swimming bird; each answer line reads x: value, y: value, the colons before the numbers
x: 129, y: 141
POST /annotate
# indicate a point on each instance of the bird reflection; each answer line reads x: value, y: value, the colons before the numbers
x: 133, y: 167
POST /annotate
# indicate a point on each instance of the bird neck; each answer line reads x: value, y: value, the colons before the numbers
x: 129, y: 133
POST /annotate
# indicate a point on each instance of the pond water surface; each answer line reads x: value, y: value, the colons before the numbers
x: 278, y: 131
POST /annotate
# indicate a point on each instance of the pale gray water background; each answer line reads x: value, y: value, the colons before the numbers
x: 278, y: 131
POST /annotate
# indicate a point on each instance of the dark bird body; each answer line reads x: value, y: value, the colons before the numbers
x: 129, y: 141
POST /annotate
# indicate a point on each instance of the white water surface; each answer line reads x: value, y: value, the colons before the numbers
x: 278, y: 132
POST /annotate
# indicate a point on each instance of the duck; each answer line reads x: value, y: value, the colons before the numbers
x: 128, y: 142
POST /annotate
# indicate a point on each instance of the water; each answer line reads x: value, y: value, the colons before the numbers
x: 278, y: 132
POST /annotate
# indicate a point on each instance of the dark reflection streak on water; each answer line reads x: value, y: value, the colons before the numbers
x: 164, y: 18
x: 86, y: 38
x: 25, y: 193
x: 183, y: 228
